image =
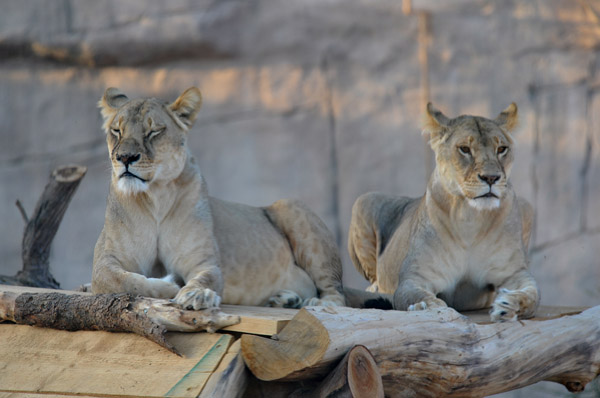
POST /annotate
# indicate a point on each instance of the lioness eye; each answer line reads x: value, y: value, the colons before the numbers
x: 502, y: 149
x: 465, y: 150
x: 156, y: 132
x: 115, y: 132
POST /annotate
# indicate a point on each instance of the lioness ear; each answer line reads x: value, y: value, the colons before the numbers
x: 187, y: 106
x: 434, y: 123
x: 508, y: 118
x: 112, y: 100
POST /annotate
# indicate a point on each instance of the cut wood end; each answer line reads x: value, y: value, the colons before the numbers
x: 364, y: 378
x: 69, y: 173
x: 301, y: 344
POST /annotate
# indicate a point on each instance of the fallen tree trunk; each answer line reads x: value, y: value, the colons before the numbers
x: 433, y: 353
x: 41, y: 228
x: 123, y: 312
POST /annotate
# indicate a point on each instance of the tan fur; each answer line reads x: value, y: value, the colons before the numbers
x: 165, y: 237
x: 452, y: 246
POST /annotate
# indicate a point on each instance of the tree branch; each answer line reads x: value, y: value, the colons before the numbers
x: 123, y: 312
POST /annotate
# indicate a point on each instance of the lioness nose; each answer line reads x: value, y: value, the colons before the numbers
x: 490, y: 179
x: 128, y: 158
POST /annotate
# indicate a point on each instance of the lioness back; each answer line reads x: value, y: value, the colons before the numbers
x: 256, y: 259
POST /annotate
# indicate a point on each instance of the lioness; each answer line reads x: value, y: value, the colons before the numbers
x: 464, y: 242
x: 165, y: 237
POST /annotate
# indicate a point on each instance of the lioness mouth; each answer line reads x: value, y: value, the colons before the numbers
x: 130, y: 174
x: 487, y: 195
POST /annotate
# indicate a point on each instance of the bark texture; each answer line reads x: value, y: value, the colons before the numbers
x: 41, y: 228
x: 124, y: 312
x: 433, y: 353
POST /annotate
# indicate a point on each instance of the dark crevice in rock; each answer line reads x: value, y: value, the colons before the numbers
x: 334, y: 157
x: 534, y: 98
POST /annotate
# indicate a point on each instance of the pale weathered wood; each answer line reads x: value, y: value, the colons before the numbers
x: 355, y: 376
x: 254, y: 320
x: 41, y: 227
x: 230, y: 378
x: 103, y: 364
x: 543, y: 313
x: 259, y: 320
x: 123, y: 312
x: 195, y: 380
x: 433, y: 353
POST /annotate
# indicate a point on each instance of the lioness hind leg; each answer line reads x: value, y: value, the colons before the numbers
x: 362, y: 237
x: 313, y: 247
x: 285, y: 299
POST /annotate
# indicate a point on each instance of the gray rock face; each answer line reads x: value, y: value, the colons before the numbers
x: 314, y: 100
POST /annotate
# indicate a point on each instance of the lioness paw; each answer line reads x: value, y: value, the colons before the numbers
x: 285, y: 299
x: 315, y: 301
x: 417, y: 306
x: 506, y: 306
x: 197, y: 299
x: 428, y: 303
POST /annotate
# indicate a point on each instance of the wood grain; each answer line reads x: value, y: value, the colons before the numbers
x: 51, y: 361
x: 433, y: 353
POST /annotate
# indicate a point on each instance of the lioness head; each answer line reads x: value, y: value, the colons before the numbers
x: 474, y: 155
x: 147, y: 138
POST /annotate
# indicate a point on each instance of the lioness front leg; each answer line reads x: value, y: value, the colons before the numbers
x: 518, y: 297
x: 203, y: 290
x: 110, y: 277
x: 415, y: 295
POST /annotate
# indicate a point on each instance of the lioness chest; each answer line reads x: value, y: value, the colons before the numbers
x: 460, y: 268
x: 255, y: 258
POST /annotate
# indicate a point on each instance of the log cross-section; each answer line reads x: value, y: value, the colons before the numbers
x: 433, y: 353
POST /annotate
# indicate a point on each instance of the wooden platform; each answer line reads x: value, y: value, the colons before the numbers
x: 36, y: 362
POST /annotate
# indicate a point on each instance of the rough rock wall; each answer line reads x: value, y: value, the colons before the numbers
x: 318, y: 100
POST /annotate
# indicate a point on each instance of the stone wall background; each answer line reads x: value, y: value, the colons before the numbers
x: 313, y: 99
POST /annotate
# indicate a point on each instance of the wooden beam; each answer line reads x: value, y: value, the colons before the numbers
x: 433, y: 353
x: 259, y: 320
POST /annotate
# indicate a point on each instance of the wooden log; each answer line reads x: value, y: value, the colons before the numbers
x: 433, y: 353
x: 356, y: 376
x: 124, y: 312
x: 41, y: 228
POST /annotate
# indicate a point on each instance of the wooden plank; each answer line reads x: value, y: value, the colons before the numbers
x: 193, y: 382
x: 255, y: 320
x: 259, y: 320
x: 544, y: 312
x: 100, y: 363
x: 230, y: 378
